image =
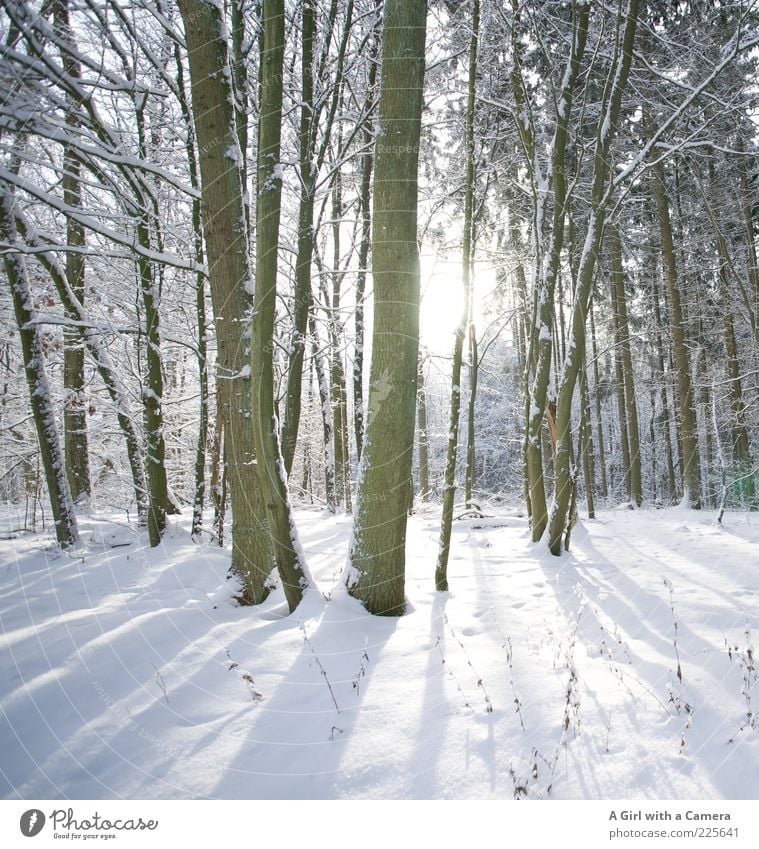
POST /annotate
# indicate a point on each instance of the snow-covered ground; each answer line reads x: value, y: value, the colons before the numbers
x: 622, y: 670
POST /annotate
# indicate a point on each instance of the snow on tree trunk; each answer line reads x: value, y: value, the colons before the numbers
x: 43, y: 413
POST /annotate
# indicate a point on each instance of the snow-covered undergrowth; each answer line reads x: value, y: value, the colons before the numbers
x: 624, y: 669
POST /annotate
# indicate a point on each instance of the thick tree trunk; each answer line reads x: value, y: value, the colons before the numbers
x: 225, y: 230
x: 377, y: 553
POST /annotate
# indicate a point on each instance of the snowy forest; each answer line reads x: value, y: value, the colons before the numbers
x: 379, y: 398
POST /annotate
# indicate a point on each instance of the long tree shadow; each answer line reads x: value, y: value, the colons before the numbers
x: 293, y: 744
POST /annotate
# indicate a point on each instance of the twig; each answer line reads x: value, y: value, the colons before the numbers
x: 321, y: 668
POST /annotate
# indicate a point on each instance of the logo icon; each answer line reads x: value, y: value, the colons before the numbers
x: 32, y: 822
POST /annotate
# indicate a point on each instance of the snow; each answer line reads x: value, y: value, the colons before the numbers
x: 129, y: 672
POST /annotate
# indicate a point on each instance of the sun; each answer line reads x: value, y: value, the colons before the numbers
x: 442, y: 302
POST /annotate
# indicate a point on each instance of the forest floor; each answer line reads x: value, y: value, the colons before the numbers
x: 624, y: 669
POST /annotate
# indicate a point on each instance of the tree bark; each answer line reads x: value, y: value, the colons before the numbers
x: 76, y: 447
x: 635, y: 489
x: 225, y: 231
x: 272, y: 476
x: 607, y: 124
x: 691, y: 460
x: 377, y: 553
x: 64, y: 517
x: 423, y: 443
x: 449, y: 480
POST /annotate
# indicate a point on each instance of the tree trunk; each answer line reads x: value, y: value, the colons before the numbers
x: 99, y: 354
x: 471, y: 432
x: 607, y: 124
x: 586, y: 443
x: 325, y: 410
x: 748, y: 226
x: 597, y: 398
x: 64, y: 517
x: 367, y: 163
x: 76, y: 448
x: 338, y: 389
x: 200, y: 309
x: 272, y: 476
x: 304, y: 257
x: 546, y: 269
x: 449, y: 481
x: 741, y: 450
x: 377, y: 554
x: 423, y: 444
x: 691, y: 460
x: 663, y: 396
x: 225, y: 230
x: 635, y: 493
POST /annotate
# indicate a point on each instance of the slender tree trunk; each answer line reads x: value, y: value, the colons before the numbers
x: 546, y: 269
x: 748, y: 225
x: 663, y: 396
x: 619, y: 385
x: 635, y: 493
x: 200, y: 309
x: 597, y: 398
x: 449, y: 481
x: 691, y: 461
x: 586, y: 444
x: 741, y: 450
x: 471, y: 432
x: 76, y: 448
x: 75, y: 405
x: 304, y: 257
x: 159, y: 504
x: 325, y: 409
x: 338, y: 389
x: 367, y: 163
x: 608, y: 119
x: 91, y: 339
x: 377, y: 553
x: 64, y: 517
x: 272, y: 475
x: 704, y: 410
x: 423, y: 444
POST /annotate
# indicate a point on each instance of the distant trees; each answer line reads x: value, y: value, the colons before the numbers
x: 202, y: 325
